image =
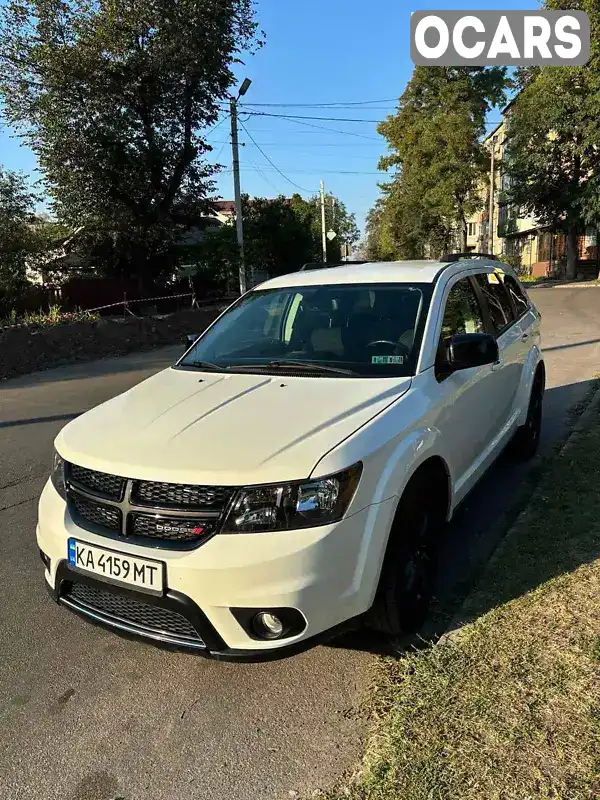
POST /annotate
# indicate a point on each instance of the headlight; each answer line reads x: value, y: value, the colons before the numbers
x: 58, y: 475
x: 293, y: 505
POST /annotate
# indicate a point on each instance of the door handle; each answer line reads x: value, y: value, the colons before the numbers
x: 498, y: 365
x: 524, y: 337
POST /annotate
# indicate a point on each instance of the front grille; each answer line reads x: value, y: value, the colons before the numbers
x: 118, y: 509
x: 97, y: 513
x: 145, y: 618
x: 109, y: 486
x: 179, y: 495
x: 172, y: 529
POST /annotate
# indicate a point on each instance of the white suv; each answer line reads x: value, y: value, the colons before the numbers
x: 291, y: 474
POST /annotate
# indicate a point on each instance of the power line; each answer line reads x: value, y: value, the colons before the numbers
x: 262, y: 175
x: 332, y: 130
x: 221, y: 150
x: 310, y: 144
x: 301, y: 116
x: 323, y: 108
x: 321, y: 171
x: 217, y: 124
x: 324, y: 105
x: 270, y: 162
x: 371, y: 157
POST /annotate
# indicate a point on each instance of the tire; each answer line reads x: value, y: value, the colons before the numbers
x: 526, y: 440
x: 408, y: 574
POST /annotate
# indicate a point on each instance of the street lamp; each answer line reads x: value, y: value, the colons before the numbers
x: 236, y: 180
x: 244, y: 87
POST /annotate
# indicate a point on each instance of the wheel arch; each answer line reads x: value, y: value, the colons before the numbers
x: 541, y: 370
x: 435, y: 470
x: 533, y: 365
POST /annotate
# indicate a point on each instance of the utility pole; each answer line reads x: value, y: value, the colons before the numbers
x: 239, y: 222
x: 323, y: 231
x: 492, y: 192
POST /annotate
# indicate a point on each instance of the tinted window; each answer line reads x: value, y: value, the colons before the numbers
x: 372, y: 330
x: 518, y: 297
x: 497, y: 300
x: 462, y: 313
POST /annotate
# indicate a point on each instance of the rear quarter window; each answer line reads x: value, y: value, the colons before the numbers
x: 497, y: 300
x: 520, y: 300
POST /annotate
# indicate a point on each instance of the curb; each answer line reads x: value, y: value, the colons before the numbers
x: 461, y: 617
x: 561, y: 285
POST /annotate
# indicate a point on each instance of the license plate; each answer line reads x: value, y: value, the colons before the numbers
x: 140, y: 573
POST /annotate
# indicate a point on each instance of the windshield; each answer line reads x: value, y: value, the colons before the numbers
x: 352, y: 330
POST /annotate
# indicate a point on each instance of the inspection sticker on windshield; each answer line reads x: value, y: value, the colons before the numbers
x: 387, y: 360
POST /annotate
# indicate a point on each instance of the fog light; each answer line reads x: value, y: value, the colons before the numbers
x: 267, y: 626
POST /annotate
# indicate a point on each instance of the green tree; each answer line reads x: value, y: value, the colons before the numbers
x: 280, y: 235
x: 400, y: 227
x: 553, y: 152
x: 337, y: 219
x: 435, y: 140
x: 16, y: 241
x: 113, y: 98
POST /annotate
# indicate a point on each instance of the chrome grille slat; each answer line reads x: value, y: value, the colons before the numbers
x: 100, y: 483
x: 179, y: 495
x: 172, y: 529
x: 164, y: 512
x: 98, y: 513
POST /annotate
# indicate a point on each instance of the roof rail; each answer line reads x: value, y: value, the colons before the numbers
x: 322, y: 265
x: 450, y: 257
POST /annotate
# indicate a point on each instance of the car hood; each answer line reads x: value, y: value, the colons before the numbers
x: 230, y: 429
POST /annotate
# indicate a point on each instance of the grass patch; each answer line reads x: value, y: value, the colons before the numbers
x: 529, y: 279
x: 44, y: 319
x: 509, y: 708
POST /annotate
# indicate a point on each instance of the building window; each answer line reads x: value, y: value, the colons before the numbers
x: 472, y: 229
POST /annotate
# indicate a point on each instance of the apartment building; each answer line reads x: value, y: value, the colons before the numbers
x: 542, y: 251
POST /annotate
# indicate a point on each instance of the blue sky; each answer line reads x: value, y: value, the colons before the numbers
x: 316, y: 51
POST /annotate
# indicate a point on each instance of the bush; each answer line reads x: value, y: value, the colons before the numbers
x: 514, y: 261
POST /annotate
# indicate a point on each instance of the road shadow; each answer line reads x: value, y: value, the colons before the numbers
x: 149, y: 361
x: 570, y: 346
x: 16, y: 423
x: 478, y: 527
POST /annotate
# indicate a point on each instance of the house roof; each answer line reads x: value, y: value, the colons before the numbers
x: 225, y: 206
x: 228, y: 206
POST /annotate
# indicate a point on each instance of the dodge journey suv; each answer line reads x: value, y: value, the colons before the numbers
x: 291, y: 474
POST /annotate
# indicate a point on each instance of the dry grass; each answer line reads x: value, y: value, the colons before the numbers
x: 43, y: 319
x: 509, y: 708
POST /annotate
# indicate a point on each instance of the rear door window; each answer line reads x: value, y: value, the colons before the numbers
x: 497, y: 300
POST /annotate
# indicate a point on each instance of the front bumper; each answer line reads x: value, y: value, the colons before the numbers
x: 324, y: 574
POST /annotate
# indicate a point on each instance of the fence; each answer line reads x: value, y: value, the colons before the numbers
x: 160, y: 305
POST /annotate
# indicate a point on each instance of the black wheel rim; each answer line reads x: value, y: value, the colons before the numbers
x: 415, y: 579
x: 534, y: 417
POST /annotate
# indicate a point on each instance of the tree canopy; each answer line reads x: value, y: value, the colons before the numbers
x: 553, y: 152
x: 17, y: 204
x: 280, y: 235
x: 435, y: 139
x: 115, y: 99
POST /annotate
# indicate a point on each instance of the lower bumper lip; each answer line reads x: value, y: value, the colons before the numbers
x: 127, y: 627
x: 211, y: 645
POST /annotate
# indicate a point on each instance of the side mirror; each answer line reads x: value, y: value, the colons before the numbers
x: 467, y: 350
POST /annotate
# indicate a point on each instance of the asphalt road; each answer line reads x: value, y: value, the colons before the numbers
x: 86, y: 715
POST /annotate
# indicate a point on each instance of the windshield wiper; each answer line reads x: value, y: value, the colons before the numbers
x: 287, y: 363
x: 207, y: 366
